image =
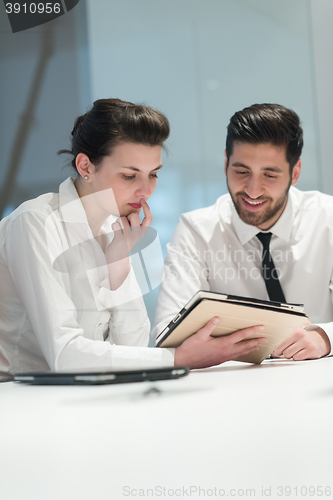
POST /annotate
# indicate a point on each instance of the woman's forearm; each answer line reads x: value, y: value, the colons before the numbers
x: 118, y: 272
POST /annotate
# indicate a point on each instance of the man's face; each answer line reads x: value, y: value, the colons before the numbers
x: 258, y: 179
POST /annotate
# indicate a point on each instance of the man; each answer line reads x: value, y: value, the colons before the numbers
x: 230, y: 246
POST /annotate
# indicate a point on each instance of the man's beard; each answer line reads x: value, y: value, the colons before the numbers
x: 255, y: 218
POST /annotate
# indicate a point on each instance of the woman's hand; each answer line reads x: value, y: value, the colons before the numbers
x: 127, y: 233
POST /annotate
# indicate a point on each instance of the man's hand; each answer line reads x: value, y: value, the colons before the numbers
x: 201, y: 350
x: 307, y: 342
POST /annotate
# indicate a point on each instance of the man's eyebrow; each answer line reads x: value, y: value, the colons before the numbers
x: 138, y: 170
x: 238, y: 164
x: 277, y: 170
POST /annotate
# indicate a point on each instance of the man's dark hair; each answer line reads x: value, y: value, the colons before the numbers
x: 112, y: 121
x: 267, y: 124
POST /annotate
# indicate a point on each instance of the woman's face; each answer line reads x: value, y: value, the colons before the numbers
x: 131, y: 172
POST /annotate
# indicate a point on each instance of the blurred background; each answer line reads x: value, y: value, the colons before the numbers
x: 198, y: 61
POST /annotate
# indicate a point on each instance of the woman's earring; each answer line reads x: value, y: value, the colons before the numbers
x: 86, y: 177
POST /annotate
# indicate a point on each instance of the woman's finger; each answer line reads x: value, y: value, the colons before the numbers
x: 148, y: 216
x: 124, y: 221
x: 117, y: 226
x: 120, y: 224
x: 133, y: 219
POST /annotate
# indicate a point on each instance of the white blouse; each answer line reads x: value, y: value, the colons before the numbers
x: 56, y: 308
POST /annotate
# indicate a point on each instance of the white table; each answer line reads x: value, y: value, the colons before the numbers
x: 230, y: 430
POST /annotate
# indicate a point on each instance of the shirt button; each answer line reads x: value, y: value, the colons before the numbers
x: 100, y: 325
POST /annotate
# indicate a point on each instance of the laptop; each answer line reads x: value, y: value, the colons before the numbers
x: 235, y: 313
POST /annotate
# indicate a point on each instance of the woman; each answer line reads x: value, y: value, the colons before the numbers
x: 68, y: 296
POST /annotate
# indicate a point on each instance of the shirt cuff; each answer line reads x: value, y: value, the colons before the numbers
x: 168, y: 356
x: 328, y: 329
x: 129, y: 290
x: 142, y: 357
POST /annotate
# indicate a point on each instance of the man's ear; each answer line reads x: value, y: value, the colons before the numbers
x: 296, y: 172
x: 84, y: 166
x: 225, y: 162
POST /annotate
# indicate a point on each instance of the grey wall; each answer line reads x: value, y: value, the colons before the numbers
x: 322, y: 19
x: 199, y: 61
x: 196, y: 60
x: 61, y: 99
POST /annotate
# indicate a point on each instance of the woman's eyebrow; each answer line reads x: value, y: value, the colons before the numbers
x: 138, y: 170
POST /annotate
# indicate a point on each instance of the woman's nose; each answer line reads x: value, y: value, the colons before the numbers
x: 145, y: 190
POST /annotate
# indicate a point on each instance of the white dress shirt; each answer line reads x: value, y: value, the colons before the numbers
x: 56, y: 308
x: 213, y: 249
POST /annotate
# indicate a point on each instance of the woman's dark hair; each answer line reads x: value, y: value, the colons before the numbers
x: 267, y: 123
x: 112, y: 121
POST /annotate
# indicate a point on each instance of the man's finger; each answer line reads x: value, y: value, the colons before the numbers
x: 245, y: 352
x: 148, y: 216
x: 247, y: 345
x: 282, y: 347
x: 293, y: 349
x: 301, y: 355
x: 240, y: 335
x: 306, y: 323
x: 205, y: 332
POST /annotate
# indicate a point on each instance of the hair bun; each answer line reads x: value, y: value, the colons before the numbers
x: 112, y: 121
x: 104, y: 104
x: 78, y: 122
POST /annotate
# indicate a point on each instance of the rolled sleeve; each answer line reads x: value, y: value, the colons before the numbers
x: 128, y: 291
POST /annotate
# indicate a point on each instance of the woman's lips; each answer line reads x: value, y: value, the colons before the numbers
x: 135, y: 205
x: 254, y: 206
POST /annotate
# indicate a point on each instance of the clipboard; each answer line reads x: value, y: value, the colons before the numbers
x: 235, y: 313
x: 101, y: 377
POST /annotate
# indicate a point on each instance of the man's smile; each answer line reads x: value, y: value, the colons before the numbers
x: 253, y: 205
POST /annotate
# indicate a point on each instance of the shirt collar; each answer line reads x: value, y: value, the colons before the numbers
x: 282, y: 228
x: 70, y: 206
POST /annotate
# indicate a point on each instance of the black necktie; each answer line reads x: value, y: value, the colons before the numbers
x: 270, y: 275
